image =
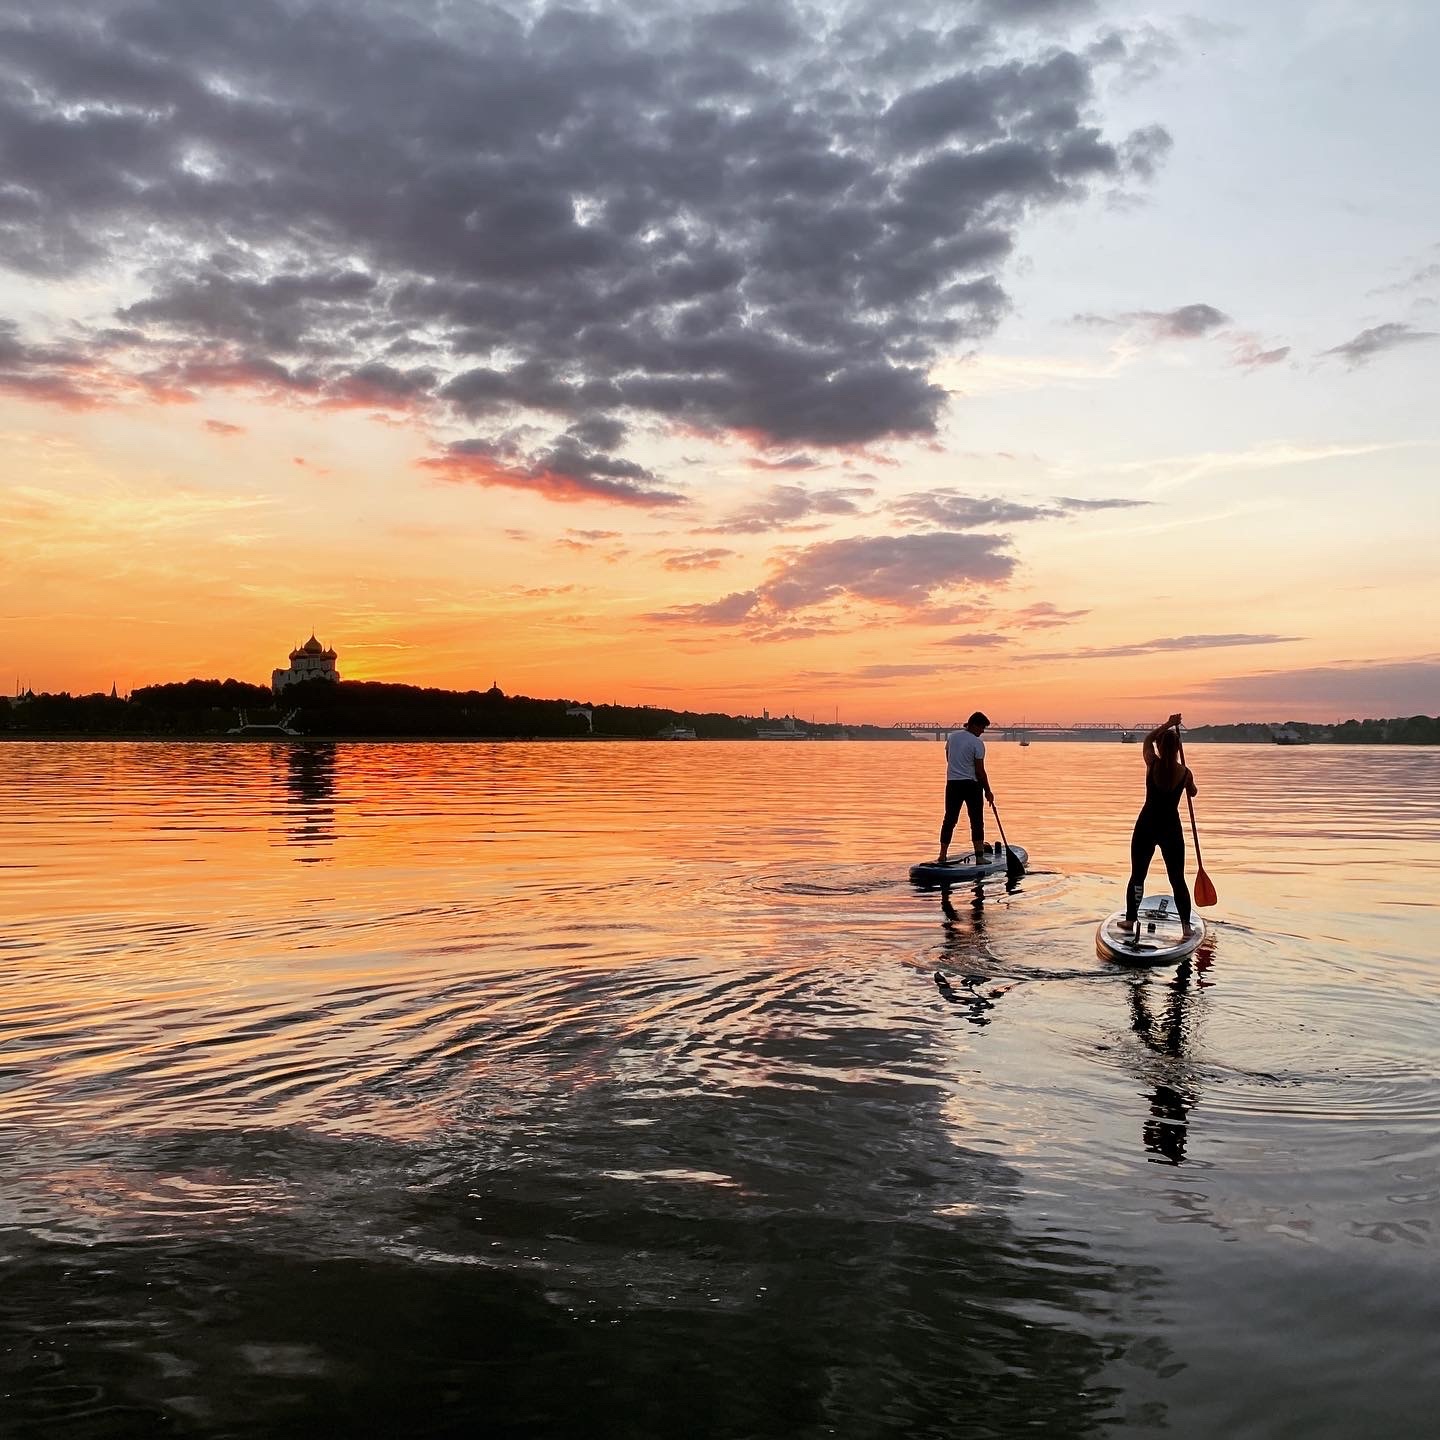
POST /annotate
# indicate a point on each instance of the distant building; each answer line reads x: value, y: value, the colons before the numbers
x: 310, y: 661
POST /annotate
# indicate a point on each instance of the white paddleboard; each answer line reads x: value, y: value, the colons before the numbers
x: 965, y: 867
x: 1158, y: 938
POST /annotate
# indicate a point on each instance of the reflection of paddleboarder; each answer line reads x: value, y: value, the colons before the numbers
x: 1174, y: 1094
x: 966, y: 961
x: 1158, y: 823
x: 965, y: 784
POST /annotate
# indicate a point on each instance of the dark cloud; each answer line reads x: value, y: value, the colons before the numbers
x: 1045, y: 616
x: 949, y: 509
x: 1168, y: 645
x: 1420, y: 275
x: 906, y: 572
x: 762, y: 220
x: 728, y: 611
x: 1377, y: 340
x: 790, y: 462
x: 979, y: 641
x: 1070, y: 505
x: 1189, y: 322
x: 1145, y: 150
x: 51, y: 374
x: 1343, y: 690
x: 902, y: 570
x: 788, y: 505
x: 1185, y: 322
x: 708, y: 559
x: 1251, y: 355
x: 566, y: 471
x: 892, y: 672
x: 221, y: 427
x: 1032, y: 12
x: 871, y: 676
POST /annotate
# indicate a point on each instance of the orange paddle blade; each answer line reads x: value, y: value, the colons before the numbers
x: 1205, y: 895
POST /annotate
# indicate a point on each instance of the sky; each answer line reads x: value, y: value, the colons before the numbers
x: 864, y: 359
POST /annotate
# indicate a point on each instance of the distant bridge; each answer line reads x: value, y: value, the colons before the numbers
x: 1021, y: 729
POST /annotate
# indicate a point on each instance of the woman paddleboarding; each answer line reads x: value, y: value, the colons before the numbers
x: 1167, y: 778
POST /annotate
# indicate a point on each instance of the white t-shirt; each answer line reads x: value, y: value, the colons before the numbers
x: 962, y: 750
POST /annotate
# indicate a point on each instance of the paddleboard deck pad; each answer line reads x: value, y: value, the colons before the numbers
x: 965, y: 867
x: 1157, y: 940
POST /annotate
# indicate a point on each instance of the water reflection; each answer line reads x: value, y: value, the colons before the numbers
x: 1165, y: 1024
x: 599, y: 1240
x: 966, y: 963
x: 310, y: 791
x: 596, y: 1091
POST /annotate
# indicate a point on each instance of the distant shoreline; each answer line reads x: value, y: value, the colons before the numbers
x: 201, y: 737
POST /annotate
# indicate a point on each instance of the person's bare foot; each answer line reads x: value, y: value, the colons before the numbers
x: 941, y: 860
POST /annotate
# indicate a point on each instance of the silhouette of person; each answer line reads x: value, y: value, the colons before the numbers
x: 965, y: 958
x: 1158, y: 823
x: 965, y: 783
x: 1167, y: 1035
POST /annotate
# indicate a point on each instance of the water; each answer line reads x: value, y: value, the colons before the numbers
x: 607, y: 1089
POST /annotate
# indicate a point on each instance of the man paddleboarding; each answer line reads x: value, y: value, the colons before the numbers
x: 966, y: 783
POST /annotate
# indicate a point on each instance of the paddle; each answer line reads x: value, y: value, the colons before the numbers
x: 1204, y: 891
x: 1014, y: 865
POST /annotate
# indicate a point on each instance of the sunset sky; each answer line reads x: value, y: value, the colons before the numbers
x: 857, y: 357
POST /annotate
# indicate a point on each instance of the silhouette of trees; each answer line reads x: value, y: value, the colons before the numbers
x: 368, y: 709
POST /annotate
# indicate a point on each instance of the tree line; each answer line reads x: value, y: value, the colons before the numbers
x: 368, y: 709
x: 1402, y: 730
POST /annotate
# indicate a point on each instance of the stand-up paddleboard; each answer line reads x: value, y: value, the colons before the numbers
x: 965, y: 866
x: 1157, y: 939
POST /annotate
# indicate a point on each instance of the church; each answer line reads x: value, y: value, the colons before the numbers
x: 310, y: 661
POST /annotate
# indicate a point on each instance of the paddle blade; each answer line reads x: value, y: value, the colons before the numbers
x: 1014, y: 865
x: 1205, y: 895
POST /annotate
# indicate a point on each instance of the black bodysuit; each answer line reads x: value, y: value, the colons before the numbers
x: 1158, y: 823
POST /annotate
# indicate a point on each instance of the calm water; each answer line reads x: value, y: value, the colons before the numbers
x: 608, y: 1090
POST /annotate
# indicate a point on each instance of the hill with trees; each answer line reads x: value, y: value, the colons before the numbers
x: 361, y: 709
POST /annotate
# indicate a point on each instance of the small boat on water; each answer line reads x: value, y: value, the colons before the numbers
x: 1024, y: 742
x: 676, y: 732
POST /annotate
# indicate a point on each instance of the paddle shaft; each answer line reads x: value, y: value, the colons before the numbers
x: 1014, y: 867
x: 1204, y: 890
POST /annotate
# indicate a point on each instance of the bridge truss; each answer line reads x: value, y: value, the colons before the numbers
x: 1019, y: 729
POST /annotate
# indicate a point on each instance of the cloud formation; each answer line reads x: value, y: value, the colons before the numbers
x: 980, y: 640
x: 1164, y: 646
x: 951, y: 509
x: 707, y: 559
x: 783, y: 506
x: 1250, y: 354
x: 904, y: 572
x: 1185, y: 322
x: 1364, y: 347
x: 1343, y: 690
x: 755, y: 220
x: 567, y: 471
x: 1045, y: 616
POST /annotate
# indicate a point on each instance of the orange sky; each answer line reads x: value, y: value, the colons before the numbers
x: 147, y: 544
x: 1118, y: 445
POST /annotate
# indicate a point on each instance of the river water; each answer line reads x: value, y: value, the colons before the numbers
x: 608, y: 1089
